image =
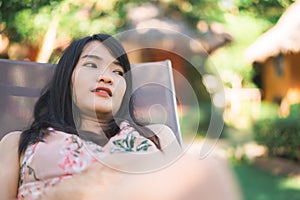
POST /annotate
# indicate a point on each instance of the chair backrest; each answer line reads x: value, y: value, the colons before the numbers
x: 21, y: 83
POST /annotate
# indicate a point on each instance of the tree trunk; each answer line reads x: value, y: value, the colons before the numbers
x: 48, y: 42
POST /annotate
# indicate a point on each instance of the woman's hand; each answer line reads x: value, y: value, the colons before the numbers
x: 94, y: 183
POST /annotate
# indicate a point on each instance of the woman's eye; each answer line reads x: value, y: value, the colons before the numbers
x: 119, y: 72
x: 92, y: 65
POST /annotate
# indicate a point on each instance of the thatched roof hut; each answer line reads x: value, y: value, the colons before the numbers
x: 283, y: 38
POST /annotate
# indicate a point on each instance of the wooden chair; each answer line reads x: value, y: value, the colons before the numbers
x: 21, y: 83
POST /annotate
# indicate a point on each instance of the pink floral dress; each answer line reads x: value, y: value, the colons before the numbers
x: 61, y: 155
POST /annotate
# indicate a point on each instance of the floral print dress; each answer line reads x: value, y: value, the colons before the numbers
x: 61, y: 155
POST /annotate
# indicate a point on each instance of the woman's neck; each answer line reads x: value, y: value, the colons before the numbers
x: 93, y: 129
x: 93, y: 125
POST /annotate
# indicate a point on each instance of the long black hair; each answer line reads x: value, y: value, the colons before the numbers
x: 55, y: 108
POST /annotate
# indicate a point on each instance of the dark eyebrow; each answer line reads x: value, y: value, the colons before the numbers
x: 91, y: 56
x: 116, y: 62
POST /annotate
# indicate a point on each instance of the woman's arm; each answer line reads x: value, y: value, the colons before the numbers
x: 9, y: 166
x: 184, y: 177
x: 187, y: 178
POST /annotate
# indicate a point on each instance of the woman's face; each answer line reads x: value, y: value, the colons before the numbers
x: 98, y: 85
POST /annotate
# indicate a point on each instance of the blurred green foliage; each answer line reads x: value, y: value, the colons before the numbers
x: 270, y: 10
x: 30, y: 19
x: 31, y: 32
x: 194, y: 11
x: 280, y: 135
x: 21, y: 18
x: 268, y: 111
x: 27, y: 20
x: 229, y: 60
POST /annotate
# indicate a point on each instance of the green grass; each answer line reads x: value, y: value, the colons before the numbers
x: 257, y: 184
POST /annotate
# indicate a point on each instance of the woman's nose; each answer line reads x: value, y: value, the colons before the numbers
x: 105, y: 79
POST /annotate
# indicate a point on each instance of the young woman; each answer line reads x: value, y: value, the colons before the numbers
x: 82, y: 116
x: 83, y: 135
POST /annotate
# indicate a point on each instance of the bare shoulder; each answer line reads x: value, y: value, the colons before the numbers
x: 9, y: 165
x: 9, y: 144
x: 10, y: 139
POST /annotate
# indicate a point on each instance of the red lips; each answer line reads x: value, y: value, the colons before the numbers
x: 102, y: 91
